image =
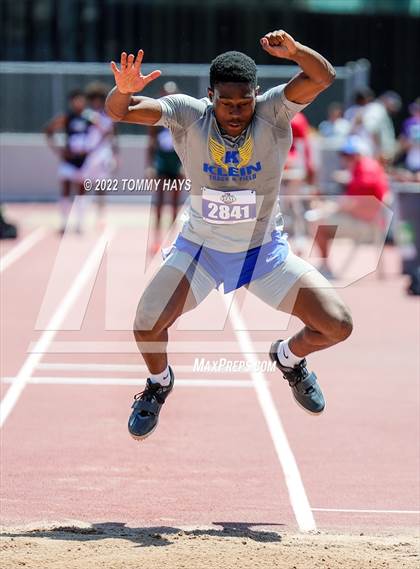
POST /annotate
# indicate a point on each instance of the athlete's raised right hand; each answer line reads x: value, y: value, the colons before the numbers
x: 129, y: 78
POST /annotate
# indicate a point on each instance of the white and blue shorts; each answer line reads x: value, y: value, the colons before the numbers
x: 270, y: 284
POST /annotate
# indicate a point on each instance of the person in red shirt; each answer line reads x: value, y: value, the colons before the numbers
x: 298, y: 173
x: 366, y: 179
x: 300, y: 132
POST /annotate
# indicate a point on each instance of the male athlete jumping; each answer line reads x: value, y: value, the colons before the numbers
x: 233, y: 146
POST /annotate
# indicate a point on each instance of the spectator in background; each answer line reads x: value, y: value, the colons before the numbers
x: 410, y: 139
x: 299, y: 172
x: 300, y: 153
x: 354, y: 115
x: 377, y: 121
x: 336, y: 126
x: 353, y: 218
x: 101, y: 141
x: 75, y: 123
x: 163, y: 162
x: 361, y: 98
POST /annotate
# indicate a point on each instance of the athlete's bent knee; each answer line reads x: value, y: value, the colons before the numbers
x: 340, y: 325
x: 146, y: 321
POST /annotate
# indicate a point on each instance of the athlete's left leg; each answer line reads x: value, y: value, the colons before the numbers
x: 298, y: 288
x: 326, y: 318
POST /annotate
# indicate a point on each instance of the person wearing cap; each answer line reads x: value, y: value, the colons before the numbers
x: 102, y: 160
x: 352, y: 217
x: 102, y: 139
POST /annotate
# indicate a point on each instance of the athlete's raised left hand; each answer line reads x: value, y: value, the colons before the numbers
x: 280, y: 44
x: 129, y: 78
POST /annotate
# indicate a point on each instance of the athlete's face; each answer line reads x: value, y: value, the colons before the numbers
x: 234, y: 105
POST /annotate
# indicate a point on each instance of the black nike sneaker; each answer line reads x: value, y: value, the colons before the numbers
x: 146, y: 408
x: 304, y: 384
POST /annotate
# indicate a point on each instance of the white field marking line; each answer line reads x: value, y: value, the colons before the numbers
x: 126, y: 368
x: 126, y: 381
x: 354, y: 511
x: 25, y: 372
x: 129, y: 347
x: 23, y: 247
x: 297, y: 494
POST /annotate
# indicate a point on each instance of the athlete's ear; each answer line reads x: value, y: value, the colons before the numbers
x: 210, y: 93
x: 257, y: 89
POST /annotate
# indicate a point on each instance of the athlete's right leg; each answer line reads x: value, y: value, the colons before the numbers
x: 179, y: 286
x: 167, y: 296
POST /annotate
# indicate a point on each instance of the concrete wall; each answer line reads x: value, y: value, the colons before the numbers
x: 28, y: 168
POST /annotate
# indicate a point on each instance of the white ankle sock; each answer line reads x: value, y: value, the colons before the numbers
x: 164, y: 378
x: 286, y: 356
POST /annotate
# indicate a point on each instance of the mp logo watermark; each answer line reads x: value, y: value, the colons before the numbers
x: 123, y: 267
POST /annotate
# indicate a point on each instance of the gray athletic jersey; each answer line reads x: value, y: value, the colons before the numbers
x: 252, y: 161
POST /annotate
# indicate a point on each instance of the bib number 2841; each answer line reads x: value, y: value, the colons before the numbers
x: 226, y: 212
x: 230, y: 206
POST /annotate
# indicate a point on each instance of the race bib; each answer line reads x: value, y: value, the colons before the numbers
x: 229, y: 206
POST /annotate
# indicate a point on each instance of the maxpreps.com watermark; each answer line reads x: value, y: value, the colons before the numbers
x: 223, y: 365
x: 137, y: 184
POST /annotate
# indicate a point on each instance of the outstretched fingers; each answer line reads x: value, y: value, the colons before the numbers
x: 123, y: 61
x: 114, y: 69
x: 130, y: 60
x: 129, y: 77
x: 152, y: 76
x: 139, y: 59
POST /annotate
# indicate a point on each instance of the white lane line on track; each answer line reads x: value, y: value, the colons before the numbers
x: 133, y: 382
x: 123, y: 368
x: 130, y: 368
x: 297, y: 494
x: 129, y: 347
x: 23, y: 247
x: 355, y: 511
x: 13, y: 393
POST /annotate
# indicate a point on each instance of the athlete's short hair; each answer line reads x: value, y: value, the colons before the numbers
x: 233, y: 66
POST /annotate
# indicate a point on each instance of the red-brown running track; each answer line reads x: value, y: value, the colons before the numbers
x: 66, y: 453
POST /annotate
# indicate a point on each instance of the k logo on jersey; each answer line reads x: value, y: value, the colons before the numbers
x: 231, y: 164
